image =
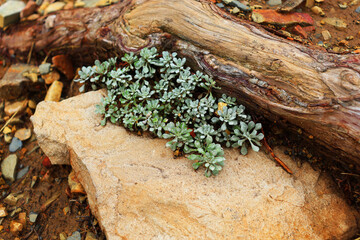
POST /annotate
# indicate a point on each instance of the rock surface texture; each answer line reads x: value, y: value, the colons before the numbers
x: 137, y: 190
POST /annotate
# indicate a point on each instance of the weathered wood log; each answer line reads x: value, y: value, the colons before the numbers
x: 310, y: 88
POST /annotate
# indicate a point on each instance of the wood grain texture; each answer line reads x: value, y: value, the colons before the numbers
x: 310, y: 88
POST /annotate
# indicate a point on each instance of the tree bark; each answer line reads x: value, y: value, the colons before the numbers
x: 312, y: 89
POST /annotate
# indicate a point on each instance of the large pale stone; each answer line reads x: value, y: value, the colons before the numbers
x: 137, y: 190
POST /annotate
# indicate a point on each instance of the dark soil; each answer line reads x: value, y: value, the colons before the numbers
x: 50, y: 181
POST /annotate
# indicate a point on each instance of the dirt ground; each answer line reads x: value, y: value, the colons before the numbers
x: 65, y: 215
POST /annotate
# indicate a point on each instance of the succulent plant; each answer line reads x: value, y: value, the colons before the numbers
x: 247, y: 133
x: 130, y: 59
x: 157, y: 124
x: 211, y: 156
x: 205, y: 131
x: 179, y: 133
x: 160, y: 94
x: 227, y: 116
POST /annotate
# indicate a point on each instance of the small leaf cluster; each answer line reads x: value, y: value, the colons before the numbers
x: 160, y: 94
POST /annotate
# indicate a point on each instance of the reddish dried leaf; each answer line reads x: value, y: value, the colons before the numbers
x: 285, y: 19
x: 192, y: 133
x: 298, y: 30
x: 64, y: 64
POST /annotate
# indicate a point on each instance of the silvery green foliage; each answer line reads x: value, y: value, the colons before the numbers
x: 98, y: 75
x: 160, y: 94
x: 179, y: 133
x: 210, y: 155
x: 247, y: 133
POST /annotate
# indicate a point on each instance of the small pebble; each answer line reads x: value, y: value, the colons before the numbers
x: 66, y: 210
x: 102, y: 3
x: 12, y: 199
x: 8, y: 167
x: 13, y: 107
x: 44, y: 68
x: 32, y: 17
x: 22, y: 172
x: 15, y: 145
x: 32, y: 104
x: 336, y: 22
x: 286, y: 33
x: 62, y: 236
x: 22, y: 218
x: 53, y: 7
x: 54, y: 92
x: 80, y: 4
x: 336, y: 49
x: 239, y: 5
x: 90, y: 236
x: 235, y: 10
x: 69, y: 5
x: 7, y: 130
x: 256, y: 7
x: 74, y: 184
x: 16, y: 226
x: 309, y: 3
x: 326, y: 35
x: 274, y: 2
x: 220, y: 5
x: 3, y: 212
x: 51, y: 77
x: 75, y: 236
x: 318, y: 10
x: 343, y: 5
x: 33, y: 216
x: 343, y: 43
x: 354, y: 2
x: 23, y: 134
x: 357, y: 10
